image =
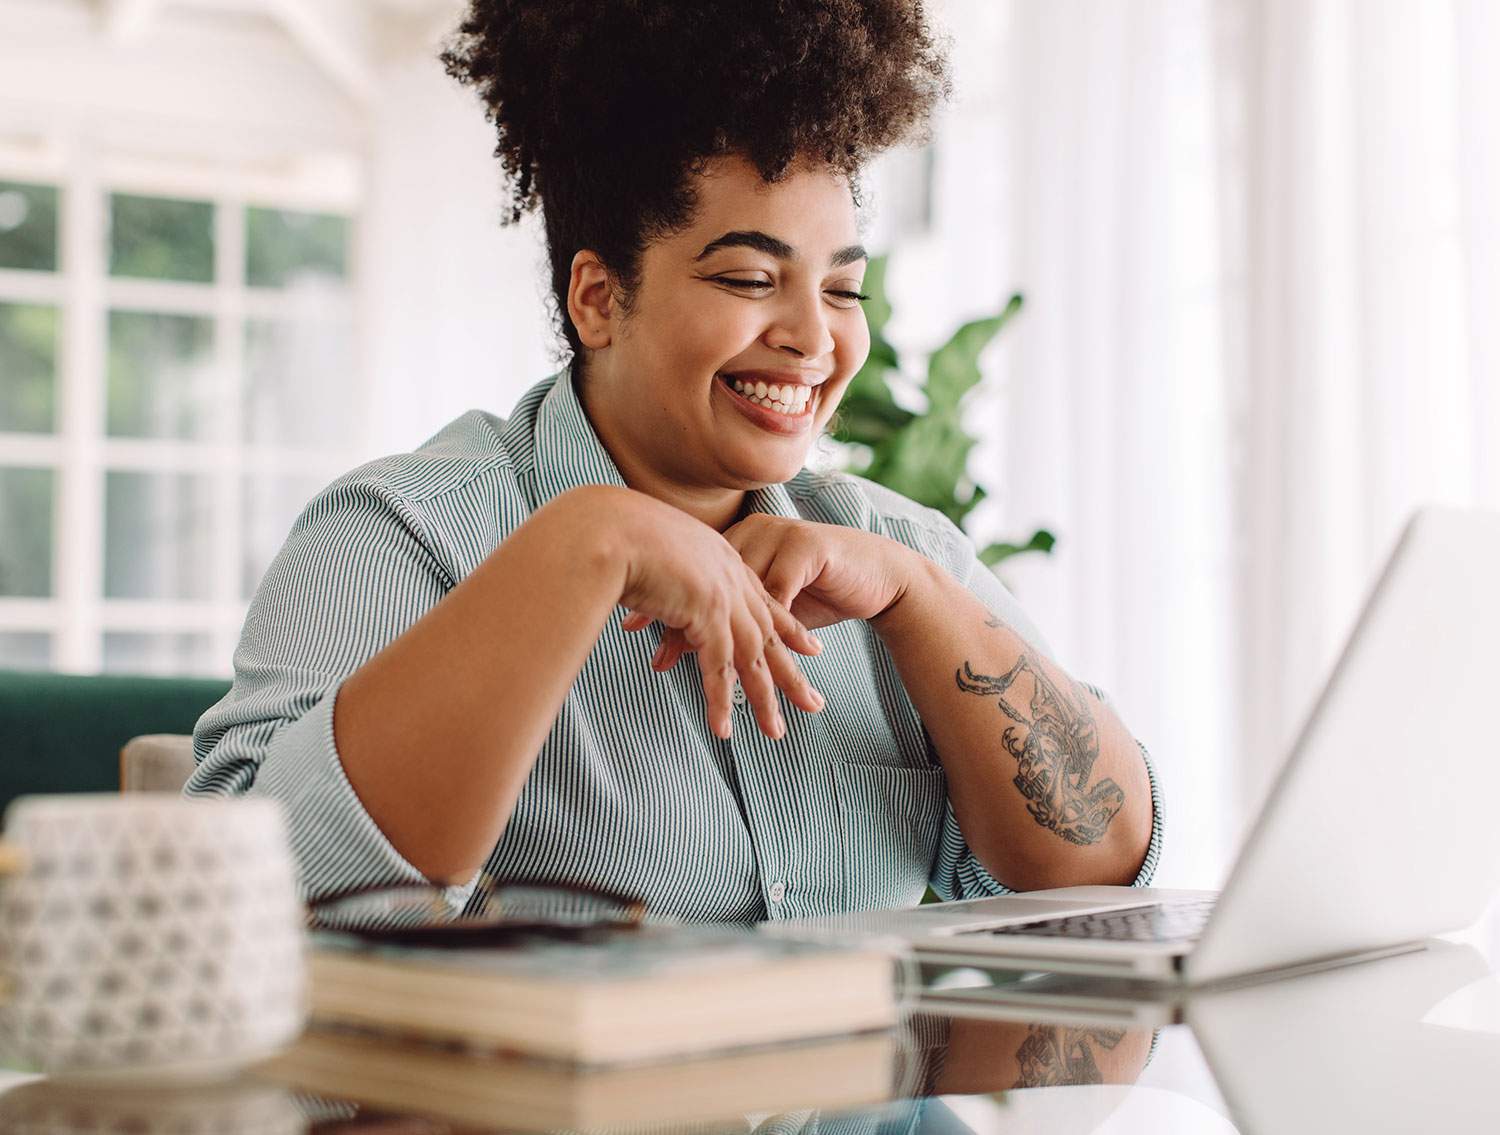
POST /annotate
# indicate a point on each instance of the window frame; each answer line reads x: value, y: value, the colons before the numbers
x: 77, y: 615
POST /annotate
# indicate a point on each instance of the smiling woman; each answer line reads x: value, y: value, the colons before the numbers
x: 437, y: 677
x: 744, y: 330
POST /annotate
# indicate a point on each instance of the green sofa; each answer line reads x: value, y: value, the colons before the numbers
x: 63, y: 733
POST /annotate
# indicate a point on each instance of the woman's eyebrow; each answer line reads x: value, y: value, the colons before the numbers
x: 775, y: 246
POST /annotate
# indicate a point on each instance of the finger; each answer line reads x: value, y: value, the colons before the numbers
x: 786, y: 673
x: 778, y: 627
x: 752, y: 636
x: 784, y: 580
x: 673, y: 646
x: 793, y: 631
x: 716, y: 664
x: 758, y: 558
x: 635, y: 621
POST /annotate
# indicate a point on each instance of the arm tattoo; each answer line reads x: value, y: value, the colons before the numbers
x: 1050, y: 1056
x: 1055, y: 744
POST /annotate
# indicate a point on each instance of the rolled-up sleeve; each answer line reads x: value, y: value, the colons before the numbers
x: 355, y: 572
x: 957, y: 872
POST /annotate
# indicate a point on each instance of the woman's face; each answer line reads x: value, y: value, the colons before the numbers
x: 759, y: 292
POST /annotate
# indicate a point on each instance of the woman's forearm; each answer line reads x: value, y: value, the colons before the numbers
x: 1048, y: 786
x: 438, y: 732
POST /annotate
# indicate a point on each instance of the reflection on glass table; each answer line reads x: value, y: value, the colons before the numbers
x: 1401, y: 1044
x: 72, y: 1109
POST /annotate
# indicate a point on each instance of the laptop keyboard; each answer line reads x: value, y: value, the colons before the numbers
x: 1159, y: 922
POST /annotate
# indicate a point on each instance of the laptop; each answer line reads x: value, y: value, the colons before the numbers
x: 1376, y: 833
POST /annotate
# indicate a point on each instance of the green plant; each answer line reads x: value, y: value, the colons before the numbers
x: 924, y: 456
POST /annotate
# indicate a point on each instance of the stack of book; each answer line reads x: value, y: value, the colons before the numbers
x: 630, y: 1027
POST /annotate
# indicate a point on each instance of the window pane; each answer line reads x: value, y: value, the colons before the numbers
x: 160, y: 375
x: 28, y: 226
x: 157, y: 536
x: 26, y: 532
x: 300, y: 382
x: 281, y: 246
x: 271, y: 506
x: 159, y: 239
x: 168, y: 655
x: 25, y: 650
x: 28, y: 368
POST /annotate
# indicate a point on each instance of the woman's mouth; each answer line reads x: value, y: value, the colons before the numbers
x: 790, y: 399
x: 784, y: 408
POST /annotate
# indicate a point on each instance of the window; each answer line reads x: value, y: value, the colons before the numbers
x: 177, y: 378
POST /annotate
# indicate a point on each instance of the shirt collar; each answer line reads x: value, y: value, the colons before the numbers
x: 569, y: 453
x: 773, y: 500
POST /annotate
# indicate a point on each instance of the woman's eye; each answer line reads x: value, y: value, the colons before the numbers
x: 749, y: 284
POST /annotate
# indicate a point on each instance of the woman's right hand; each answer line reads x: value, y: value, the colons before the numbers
x: 680, y: 572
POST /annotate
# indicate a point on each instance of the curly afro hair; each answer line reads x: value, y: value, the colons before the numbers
x: 604, y: 109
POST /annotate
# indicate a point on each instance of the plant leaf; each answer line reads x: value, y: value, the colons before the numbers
x: 1041, y: 541
x: 870, y: 421
x: 953, y: 369
x: 926, y: 461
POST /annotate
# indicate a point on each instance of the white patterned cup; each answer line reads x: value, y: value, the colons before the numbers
x: 148, y: 936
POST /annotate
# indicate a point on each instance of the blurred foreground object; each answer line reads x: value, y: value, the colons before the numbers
x: 148, y: 935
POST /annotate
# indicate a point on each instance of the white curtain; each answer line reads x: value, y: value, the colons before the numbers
x: 1261, y: 256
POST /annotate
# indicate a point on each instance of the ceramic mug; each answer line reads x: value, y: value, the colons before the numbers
x: 147, y: 935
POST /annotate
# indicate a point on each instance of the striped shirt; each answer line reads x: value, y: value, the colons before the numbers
x: 631, y: 792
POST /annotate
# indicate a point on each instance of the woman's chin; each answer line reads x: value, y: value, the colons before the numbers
x: 764, y: 471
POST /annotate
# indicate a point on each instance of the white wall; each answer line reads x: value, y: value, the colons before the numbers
x: 196, y: 85
x: 453, y: 313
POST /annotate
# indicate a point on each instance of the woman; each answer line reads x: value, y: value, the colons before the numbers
x: 436, y: 674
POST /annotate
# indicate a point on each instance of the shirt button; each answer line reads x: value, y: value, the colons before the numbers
x: 739, y: 696
x: 778, y: 892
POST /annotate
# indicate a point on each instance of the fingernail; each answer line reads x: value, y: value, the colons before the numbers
x: 661, y: 652
x: 816, y: 641
x: 778, y: 727
x: 818, y: 699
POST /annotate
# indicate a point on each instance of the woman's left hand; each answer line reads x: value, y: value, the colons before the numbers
x: 823, y: 573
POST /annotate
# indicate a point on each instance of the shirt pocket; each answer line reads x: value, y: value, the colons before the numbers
x: 890, y: 817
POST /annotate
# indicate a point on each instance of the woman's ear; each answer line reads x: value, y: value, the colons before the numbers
x: 591, y: 303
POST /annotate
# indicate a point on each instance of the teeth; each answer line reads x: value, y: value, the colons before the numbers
x: 790, y: 399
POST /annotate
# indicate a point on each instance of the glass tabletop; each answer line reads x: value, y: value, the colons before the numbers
x: 1407, y: 1043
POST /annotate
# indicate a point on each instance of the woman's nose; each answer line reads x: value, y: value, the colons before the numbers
x: 802, y: 328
